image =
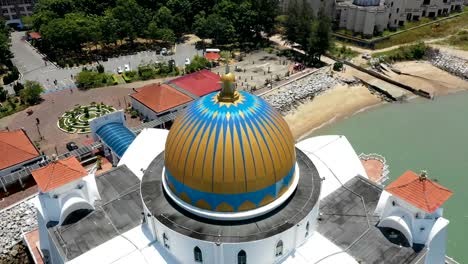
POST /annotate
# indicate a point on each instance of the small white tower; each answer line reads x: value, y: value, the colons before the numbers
x: 66, y: 191
x: 411, y: 205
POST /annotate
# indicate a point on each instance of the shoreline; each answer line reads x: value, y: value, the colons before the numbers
x: 335, y: 104
x: 300, y: 134
x: 339, y: 119
x: 343, y: 101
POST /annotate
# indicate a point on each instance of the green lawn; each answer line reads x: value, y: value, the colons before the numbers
x: 403, y: 53
x: 7, y: 109
x: 459, y: 40
x: 444, y: 29
x: 341, y: 51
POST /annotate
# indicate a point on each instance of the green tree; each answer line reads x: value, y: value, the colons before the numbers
x: 5, y: 53
x: 319, y: 40
x: 267, y: 11
x: 27, y: 21
x: 313, y: 34
x: 42, y: 17
x: 197, y: 64
x: 166, y: 35
x: 216, y: 27
x: 72, y: 31
x: 100, y: 68
x: 109, y: 27
x: 3, y: 94
x: 92, y: 79
x: 297, y: 25
x: 152, y: 32
x: 31, y: 94
x: 18, y: 87
x: 200, y: 26
x: 59, y: 7
x: 164, y: 17
x: 132, y: 19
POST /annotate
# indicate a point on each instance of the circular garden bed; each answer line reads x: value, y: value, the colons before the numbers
x: 77, y: 119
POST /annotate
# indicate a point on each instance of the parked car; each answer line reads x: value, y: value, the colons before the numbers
x: 71, y: 146
x: 366, y: 56
x: 163, y: 51
x: 127, y: 68
x: 119, y: 70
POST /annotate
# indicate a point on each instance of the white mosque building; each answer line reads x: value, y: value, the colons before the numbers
x: 228, y: 184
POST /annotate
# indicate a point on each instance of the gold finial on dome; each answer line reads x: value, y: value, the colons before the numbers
x: 228, y: 92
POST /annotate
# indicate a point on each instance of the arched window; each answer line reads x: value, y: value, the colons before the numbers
x: 279, y: 248
x: 166, y: 241
x: 307, y: 230
x: 197, y: 254
x: 241, y: 257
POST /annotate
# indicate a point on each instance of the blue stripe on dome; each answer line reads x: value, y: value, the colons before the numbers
x: 234, y: 200
x: 117, y: 136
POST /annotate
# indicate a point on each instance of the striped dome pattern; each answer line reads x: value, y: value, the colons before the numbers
x: 229, y: 157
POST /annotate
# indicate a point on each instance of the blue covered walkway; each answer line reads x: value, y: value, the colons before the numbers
x: 117, y: 137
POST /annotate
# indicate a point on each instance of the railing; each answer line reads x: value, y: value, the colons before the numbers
x: 385, y: 170
x: 21, y: 175
x: 449, y: 260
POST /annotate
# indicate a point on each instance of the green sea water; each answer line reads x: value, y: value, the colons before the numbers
x: 421, y: 135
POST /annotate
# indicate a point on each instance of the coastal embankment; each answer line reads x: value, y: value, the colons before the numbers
x: 343, y: 100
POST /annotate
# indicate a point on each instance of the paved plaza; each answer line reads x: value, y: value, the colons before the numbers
x: 256, y: 68
x: 252, y: 71
x: 33, y: 67
x: 53, y: 106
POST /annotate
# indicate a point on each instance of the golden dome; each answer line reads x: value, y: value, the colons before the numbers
x: 229, y: 156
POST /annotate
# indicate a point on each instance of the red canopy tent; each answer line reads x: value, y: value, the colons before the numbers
x: 212, y: 56
x: 34, y: 35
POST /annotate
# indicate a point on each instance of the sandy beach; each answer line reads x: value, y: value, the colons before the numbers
x: 343, y: 101
x: 337, y: 103
x: 423, y: 75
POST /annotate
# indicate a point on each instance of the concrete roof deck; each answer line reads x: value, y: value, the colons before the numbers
x: 118, y: 211
x: 346, y: 219
x: 301, y: 202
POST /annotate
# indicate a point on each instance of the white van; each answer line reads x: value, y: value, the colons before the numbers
x: 212, y: 50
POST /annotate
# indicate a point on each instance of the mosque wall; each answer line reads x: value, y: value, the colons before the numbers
x: 260, y: 251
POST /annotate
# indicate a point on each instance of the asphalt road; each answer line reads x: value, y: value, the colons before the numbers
x: 33, y: 67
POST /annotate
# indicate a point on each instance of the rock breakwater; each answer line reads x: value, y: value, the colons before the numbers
x: 288, y: 97
x: 15, y: 221
x: 449, y: 63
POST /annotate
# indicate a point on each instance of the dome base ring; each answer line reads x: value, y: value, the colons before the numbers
x: 232, y: 216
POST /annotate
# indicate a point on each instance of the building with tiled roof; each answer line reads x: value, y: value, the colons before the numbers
x: 410, y: 207
x: 199, y: 83
x: 228, y: 184
x: 419, y: 191
x: 155, y: 100
x: 58, y: 173
x: 67, y: 192
x: 16, y: 151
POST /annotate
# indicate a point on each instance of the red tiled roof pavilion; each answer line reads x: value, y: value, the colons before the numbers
x: 160, y: 97
x: 58, y: 173
x: 199, y: 83
x: 419, y: 191
x: 15, y: 148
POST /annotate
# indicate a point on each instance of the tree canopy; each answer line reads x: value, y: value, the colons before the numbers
x: 5, y: 53
x: 69, y: 24
x: 312, y: 33
x: 31, y: 94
